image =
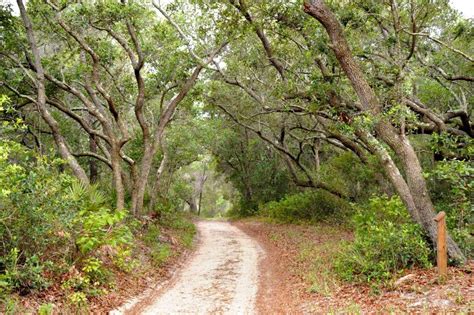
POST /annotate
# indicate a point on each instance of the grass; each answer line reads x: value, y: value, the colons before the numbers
x: 317, y: 259
x: 160, y: 254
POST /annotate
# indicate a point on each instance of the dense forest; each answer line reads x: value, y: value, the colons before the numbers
x: 122, y: 122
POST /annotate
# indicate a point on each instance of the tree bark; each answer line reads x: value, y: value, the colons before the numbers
x: 117, y: 176
x: 159, y: 175
x: 41, y: 101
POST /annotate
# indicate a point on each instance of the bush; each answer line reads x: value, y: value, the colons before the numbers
x: 453, y: 185
x: 160, y: 254
x: 49, y: 222
x: 21, y: 277
x: 310, y: 205
x: 386, y: 241
x: 185, y: 228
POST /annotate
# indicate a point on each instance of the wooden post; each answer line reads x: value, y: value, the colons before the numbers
x: 442, y: 253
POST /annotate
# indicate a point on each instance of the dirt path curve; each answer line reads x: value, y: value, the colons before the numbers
x: 221, y: 277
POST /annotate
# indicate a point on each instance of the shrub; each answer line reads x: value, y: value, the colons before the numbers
x: 160, y: 254
x: 309, y: 205
x: 453, y: 184
x: 49, y: 221
x: 386, y: 241
x: 21, y: 277
x: 179, y: 222
x: 46, y: 309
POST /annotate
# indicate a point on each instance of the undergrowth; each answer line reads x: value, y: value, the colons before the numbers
x: 316, y: 206
x: 55, y: 230
x: 386, y: 242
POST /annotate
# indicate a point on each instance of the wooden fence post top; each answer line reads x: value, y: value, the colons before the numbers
x: 440, y: 216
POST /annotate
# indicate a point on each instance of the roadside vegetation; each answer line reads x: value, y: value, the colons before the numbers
x: 121, y: 121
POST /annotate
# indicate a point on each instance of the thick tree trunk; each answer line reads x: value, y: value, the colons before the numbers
x: 117, y: 176
x: 139, y: 188
x: 159, y: 174
x: 415, y: 193
x: 392, y: 172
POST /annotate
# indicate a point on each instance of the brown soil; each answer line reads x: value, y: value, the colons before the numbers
x: 292, y: 283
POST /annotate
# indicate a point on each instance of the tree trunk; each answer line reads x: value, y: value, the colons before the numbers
x: 41, y: 101
x: 159, y: 174
x: 93, y: 169
x: 150, y: 150
x: 419, y: 190
x: 201, y: 188
x: 192, y: 205
x: 199, y: 205
x: 117, y: 176
x: 139, y: 187
x: 415, y: 193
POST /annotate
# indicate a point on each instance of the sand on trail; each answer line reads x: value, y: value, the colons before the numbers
x: 221, y: 277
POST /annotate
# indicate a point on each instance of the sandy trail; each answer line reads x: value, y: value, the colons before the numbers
x: 221, y: 278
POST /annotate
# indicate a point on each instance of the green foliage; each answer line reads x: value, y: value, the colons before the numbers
x: 347, y: 174
x: 78, y: 300
x: 98, y: 226
x: 310, y: 205
x: 453, y: 182
x: 46, y: 309
x: 11, y: 306
x: 152, y: 234
x: 186, y: 229
x: 255, y: 171
x: 22, y: 277
x: 452, y: 146
x: 160, y: 253
x: 45, y: 216
x: 385, y: 243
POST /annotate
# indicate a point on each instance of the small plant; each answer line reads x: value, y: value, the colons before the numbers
x: 124, y: 261
x: 78, y: 300
x: 94, y: 270
x: 160, y: 254
x: 24, y: 277
x: 77, y: 283
x: 9, y: 305
x: 386, y: 242
x: 46, y: 309
x: 186, y: 228
x: 152, y: 234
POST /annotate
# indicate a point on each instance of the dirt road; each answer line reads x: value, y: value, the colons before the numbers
x: 221, y: 277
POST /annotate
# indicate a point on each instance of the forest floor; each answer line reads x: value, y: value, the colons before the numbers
x: 297, y: 277
x: 252, y: 266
